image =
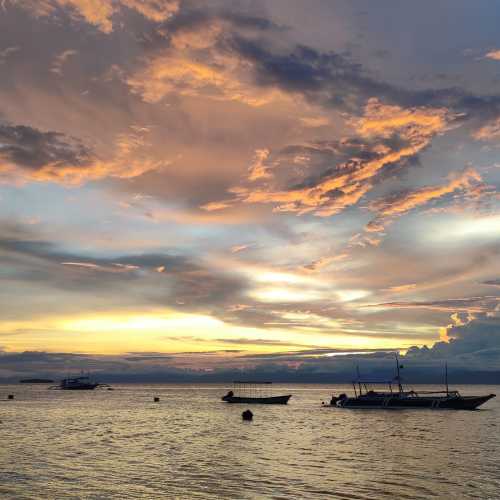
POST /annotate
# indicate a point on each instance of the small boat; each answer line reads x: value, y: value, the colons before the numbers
x: 36, y: 381
x: 253, y: 393
x: 401, y: 398
x: 82, y: 383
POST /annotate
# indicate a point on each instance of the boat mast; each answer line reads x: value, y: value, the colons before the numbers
x: 399, y: 375
x: 446, y: 378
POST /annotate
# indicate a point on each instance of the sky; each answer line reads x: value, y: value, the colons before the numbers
x: 193, y: 187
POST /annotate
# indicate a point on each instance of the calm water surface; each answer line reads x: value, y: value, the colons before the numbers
x: 120, y: 444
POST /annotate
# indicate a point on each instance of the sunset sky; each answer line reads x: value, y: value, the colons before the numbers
x: 220, y: 184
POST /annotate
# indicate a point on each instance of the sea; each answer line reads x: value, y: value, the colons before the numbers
x: 120, y: 444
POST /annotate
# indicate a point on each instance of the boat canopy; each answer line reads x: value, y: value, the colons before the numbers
x: 252, y: 382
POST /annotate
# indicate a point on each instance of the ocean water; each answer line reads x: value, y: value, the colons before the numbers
x: 120, y: 444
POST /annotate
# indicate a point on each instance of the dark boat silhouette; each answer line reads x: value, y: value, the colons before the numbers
x: 401, y: 398
x: 81, y: 383
x: 36, y: 381
x: 253, y: 393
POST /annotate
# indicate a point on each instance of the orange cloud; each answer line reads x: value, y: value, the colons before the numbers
x: 128, y: 161
x: 488, y: 132
x: 405, y: 202
x: 99, y: 13
x: 196, y: 66
x: 416, y: 126
x: 31, y: 154
x: 215, y: 205
x: 324, y: 262
x: 155, y: 10
x: 493, y: 54
x: 402, y: 288
x: 221, y: 77
x: 258, y: 170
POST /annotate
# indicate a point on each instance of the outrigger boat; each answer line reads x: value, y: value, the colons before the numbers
x: 401, y: 398
x: 82, y: 383
x: 253, y: 393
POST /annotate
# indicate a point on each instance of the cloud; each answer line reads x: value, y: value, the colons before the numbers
x: 474, y: 342
x: 40, y: 152
x: 149, y: 279
x: 31, y: 154
x: 198, y: 64
x: 495, y: 282
x: 323, y: 262
x: 416, y: 124
x: 468, y: 304
x: 239, y: 248
x: 60, y: 60
x: 468, y: 184
x: 389, y: 136
x: 402, y: 288
x: 112, y: 268
x: 465, y: 189
x: 99, y: 13
x: 489, y: 132
x: 258, y: 170
x: 471, y: 359
x: 493, y: 54
x: 154, y: 10
x: 5, y: 54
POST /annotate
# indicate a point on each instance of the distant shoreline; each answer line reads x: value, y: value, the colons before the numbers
x: 230, y: 382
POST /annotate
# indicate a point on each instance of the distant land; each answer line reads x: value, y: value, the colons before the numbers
x: 36, y: 381
x: 284, y: 376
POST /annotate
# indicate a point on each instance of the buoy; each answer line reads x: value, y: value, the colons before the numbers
x: 247, y: 415
x: 156, y: 400
x: 10, y: 396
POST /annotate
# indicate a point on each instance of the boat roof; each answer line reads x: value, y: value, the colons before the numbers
x: 250, y: 382
x: 363, y: 381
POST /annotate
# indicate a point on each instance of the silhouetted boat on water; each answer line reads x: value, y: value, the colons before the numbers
x: 81, y: 383
x: 36, y: 381
x: 401, y: 398
x: 254, y: 393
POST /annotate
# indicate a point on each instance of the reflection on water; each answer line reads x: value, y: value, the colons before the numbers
x: 120, y: 444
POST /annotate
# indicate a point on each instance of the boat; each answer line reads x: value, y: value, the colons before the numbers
x: 36, y: 381
x: 250, y: 392
x: 398, y: 397
x: 81, y: 383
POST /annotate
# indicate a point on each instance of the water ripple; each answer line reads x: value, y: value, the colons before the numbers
x: 119, y: 445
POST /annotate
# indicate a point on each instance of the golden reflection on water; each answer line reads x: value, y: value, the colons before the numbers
x: 120, y: 444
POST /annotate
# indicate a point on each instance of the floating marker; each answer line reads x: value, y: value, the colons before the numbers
x: 10, y: 396
x: 247, y: 415
x: 156, y: 400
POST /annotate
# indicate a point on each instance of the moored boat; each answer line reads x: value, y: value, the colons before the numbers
x: 398, y: 397
x: 81, y: 383
x: 254, y: 393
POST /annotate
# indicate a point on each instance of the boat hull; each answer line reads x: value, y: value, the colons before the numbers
x: 274, y: 400
x: 81, y: 387
x: 432, y: 403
